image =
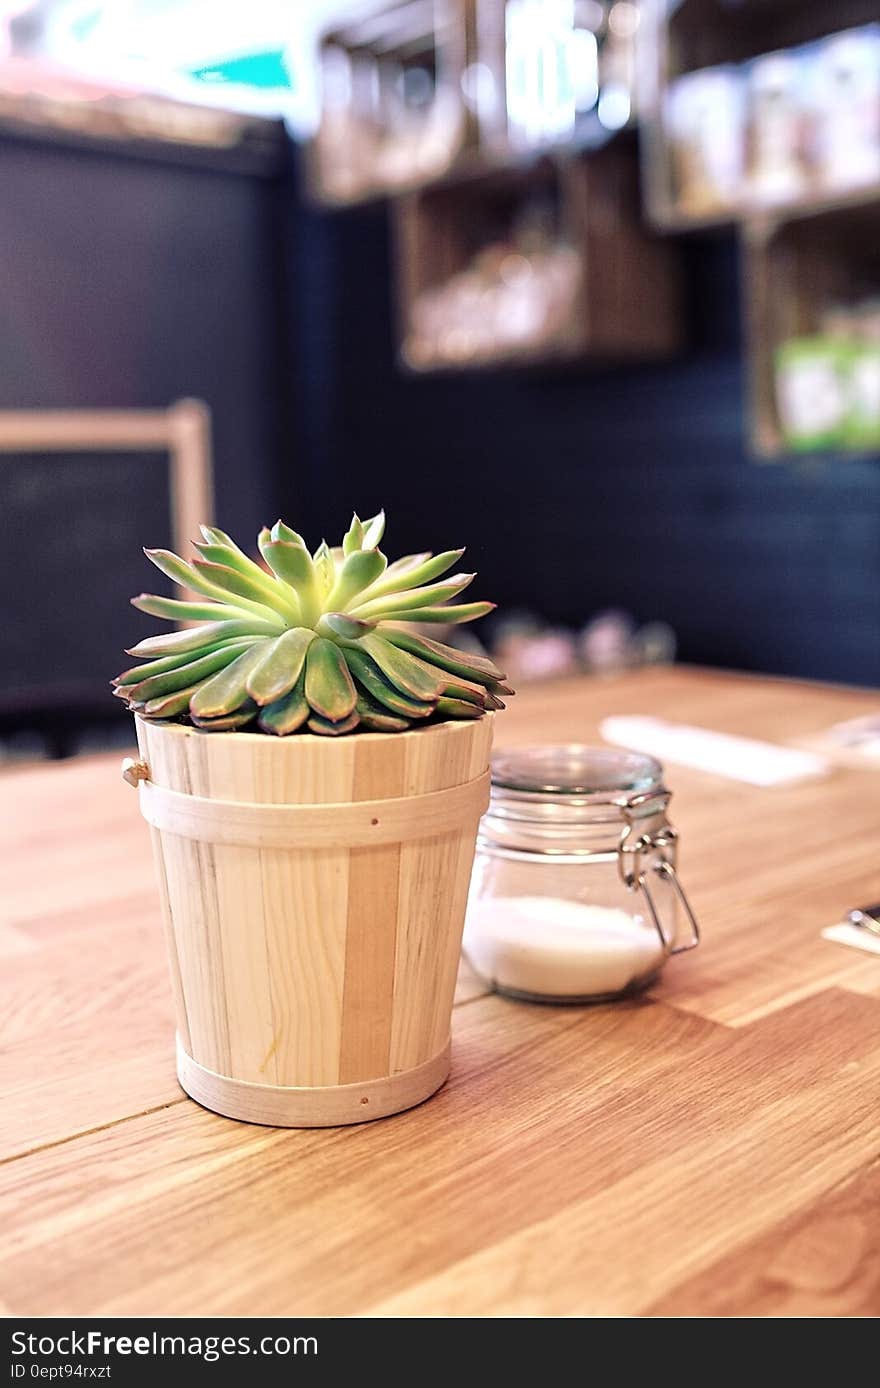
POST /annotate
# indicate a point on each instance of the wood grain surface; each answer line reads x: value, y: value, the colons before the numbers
x: 710, y: 1149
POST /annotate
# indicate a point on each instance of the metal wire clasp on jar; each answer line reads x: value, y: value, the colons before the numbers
x: 575, y: 895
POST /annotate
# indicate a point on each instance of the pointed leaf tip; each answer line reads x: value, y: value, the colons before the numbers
x: 374, y: 529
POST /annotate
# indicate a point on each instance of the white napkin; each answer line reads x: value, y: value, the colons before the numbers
x: 739, y: 758
x: 855, y: 935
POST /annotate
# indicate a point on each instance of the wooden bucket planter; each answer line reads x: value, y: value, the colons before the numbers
x: 313, y: 893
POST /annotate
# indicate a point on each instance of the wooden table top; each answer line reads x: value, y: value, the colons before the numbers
x: 709, y: 1149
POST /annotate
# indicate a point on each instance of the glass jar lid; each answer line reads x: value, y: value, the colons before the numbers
x: 575, y: 784
x: 602, y: 773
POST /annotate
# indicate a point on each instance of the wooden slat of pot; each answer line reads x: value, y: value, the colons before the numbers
x: 372, y: 924
x: 302, y: 943
x: 189, y: 873
x: 359, y: 824
x: 428, y: 952
x: 171, y: 944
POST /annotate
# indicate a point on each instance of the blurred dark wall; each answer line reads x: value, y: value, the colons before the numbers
x: 128, y: 280
x: 132, y: 281
x: 630, y: 488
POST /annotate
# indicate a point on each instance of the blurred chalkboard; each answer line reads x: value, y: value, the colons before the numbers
x: 73, y: 530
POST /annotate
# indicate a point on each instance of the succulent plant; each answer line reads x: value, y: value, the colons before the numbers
x: 311, y: 642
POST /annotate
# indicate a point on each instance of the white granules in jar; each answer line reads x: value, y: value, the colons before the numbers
x: 551, y: 947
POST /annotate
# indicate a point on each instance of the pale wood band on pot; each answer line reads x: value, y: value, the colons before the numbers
x: 357, y: 824
x: 280, y: 1106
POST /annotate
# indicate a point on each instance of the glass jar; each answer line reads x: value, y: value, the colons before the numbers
x: 575, y: 896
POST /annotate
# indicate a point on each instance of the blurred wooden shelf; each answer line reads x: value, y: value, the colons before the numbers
x: 704, y: 33
x: 625, y: 299
x: 763, y: 217
x: 462, y: 48
x: 357, y: 154
x: 865, y: 198
x: 688, y: 36
x: 794, y: 269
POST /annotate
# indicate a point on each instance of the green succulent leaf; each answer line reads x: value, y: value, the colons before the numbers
x: 287, y: 714
x: 278, y: 669
x: 416, y: 569
x: 450, y: 616
x: 176, y: 611
x: 458, y: 708
x: 465, y: 663
x: 357, y: 573
x: 374, y: 529
x: 137, y: 673
x: 231, y: 581
x: 264, y: 538
x: 192, y: 673
x: 411, y: 599
x: 258, y: 587
x: 370, y: 678
x: 407, y: 564
x: 411, y: 676
x: 328, y: 729
x: 354, y: 536
x: 189, y: 577
x: 468, y: 692
x: 169, y: 705
x: 231, y: 722
x: 223, y: 550
x: 325, y: 569
x: 330, y: 690
x: 226, y: 691
x: 340, y: 624
x: 293, y: 564
x: 193, y: 638
x: 280, y: 531
x: 375, y: 718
